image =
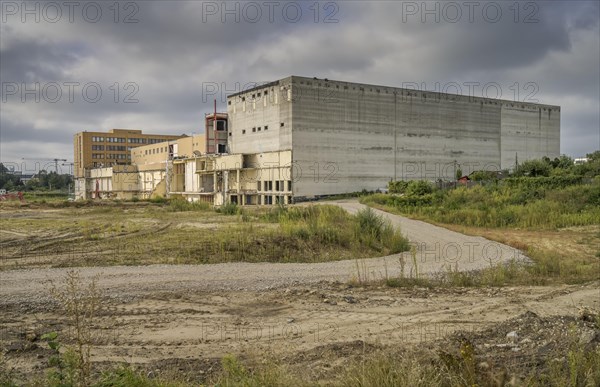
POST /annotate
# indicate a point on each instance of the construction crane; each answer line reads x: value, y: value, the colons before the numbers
x: 55, y: 162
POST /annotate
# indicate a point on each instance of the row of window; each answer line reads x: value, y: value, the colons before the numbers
x: 129, y: 140
x: 254, y: 96
x: 260, y: 128
x: 155, y: 140
x: 287, y: 93
x: 120, y: 148
x: 161, y: 149
x: 111, y: 156
x: 262, y: 199
x: 268, y: 185
x: 116, y: 148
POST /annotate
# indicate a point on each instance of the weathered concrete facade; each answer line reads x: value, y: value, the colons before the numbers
x: 247, y: 179
x: 346, y: 137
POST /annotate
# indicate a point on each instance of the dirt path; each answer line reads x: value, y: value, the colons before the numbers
x: 438, y: 250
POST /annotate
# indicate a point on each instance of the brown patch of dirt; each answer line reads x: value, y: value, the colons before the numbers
x: 320, y: 328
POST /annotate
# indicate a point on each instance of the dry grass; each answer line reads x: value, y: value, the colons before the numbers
x: 182, y: 233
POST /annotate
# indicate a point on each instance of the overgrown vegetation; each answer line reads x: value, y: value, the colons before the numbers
x: 529, y: 203
x: 79, y: 302
x: 542, y: 195
x: 181, y: 205
x: 192, y: 233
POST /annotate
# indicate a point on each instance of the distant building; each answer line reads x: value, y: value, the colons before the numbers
x: 105, y: 149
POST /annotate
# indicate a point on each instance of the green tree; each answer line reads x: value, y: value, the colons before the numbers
x: 594, y: 156
x: 458, y: 173
x: 8, y: 181
x: 534, y: 168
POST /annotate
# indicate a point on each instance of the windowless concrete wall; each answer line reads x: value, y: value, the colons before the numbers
x: 346, y: 137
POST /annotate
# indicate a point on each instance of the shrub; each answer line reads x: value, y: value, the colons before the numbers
x: 180, y: 205
x: 158, y: 200
x: 533, y: 168
x: 370, y: 223
x: 419, y: 188
x: 397, y: 186
x: 229, y: 209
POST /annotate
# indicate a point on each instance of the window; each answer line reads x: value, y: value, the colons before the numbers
x: 266, y: 127
x: 221, y: 125
x: 229, y: 103
x: 290, y: 186
x: 258, y: 185
x: 243, y: 131
x: 282, y: 124
x: 259, y: 128
x: 253, y: 130
x: 155, y: 140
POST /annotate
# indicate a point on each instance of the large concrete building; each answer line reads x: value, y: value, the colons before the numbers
x: 299, y: 138
x: 345, y: 137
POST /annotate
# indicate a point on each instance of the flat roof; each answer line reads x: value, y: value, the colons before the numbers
x: 396, y: 89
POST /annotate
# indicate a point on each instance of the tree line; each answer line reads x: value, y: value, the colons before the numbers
x: 43, y: 180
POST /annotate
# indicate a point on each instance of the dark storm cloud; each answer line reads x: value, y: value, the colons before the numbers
x: 27, y: 60
x: 176, y: 53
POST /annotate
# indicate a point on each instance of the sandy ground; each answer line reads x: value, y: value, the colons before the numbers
x: 185, y: 318
x: 437, y: 250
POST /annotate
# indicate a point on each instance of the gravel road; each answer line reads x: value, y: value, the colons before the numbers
x: 437, y: 249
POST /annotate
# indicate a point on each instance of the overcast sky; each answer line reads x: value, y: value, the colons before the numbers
x: 159, y: 64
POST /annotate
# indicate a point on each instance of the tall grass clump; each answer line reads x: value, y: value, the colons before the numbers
x: 182, y: 205
x: 324, y: 226
x: 373, y: 229
x: 229, y: 208
x: 266, y: 375
x: 383, y: 370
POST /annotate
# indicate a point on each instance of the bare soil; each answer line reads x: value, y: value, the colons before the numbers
x: 313, y: 318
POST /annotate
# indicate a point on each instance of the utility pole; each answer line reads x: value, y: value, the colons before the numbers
x: 56, y: 164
